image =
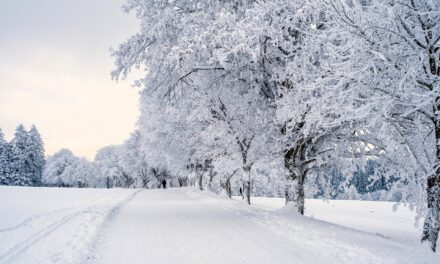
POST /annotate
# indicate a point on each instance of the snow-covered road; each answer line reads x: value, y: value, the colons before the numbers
x: 186, y: 226
x: 178, y: 226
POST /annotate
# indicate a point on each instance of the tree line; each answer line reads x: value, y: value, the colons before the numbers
x: 114, y: 166
x: 23, y: 163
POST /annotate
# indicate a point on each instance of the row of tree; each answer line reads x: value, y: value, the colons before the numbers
x: 22, y: 159
x: 292, y: 90
x: 120, y: 166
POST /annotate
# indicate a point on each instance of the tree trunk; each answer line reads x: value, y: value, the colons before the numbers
x: 294, y: 162
x: 107, y: 182
x: 228, y: 187
x: 289, y: 192
x: 294, y: 192
x: 200, y: 180
x: 300, y: 193
x: 248, y: 191
x: 247, y: 185
x: 431, y: 226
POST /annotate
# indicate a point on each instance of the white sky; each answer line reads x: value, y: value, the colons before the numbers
x: 55, y: 72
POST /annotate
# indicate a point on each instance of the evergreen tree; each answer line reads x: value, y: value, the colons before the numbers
x: 5, y: 158
x: 2, y: 138
x: 35, y: 155
x: 21, y: 169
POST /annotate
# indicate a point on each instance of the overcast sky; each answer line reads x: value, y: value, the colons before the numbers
x: 55, y: 72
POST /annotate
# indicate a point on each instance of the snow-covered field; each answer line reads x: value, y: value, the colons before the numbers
x: 53, y: 225
x: 373, y: 217
x: 50, y: 225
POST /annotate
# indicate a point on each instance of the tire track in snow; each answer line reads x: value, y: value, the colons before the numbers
x: 28, y: 220
x: 31, y: 219
x: 20, y: 248
x: 108, y: 221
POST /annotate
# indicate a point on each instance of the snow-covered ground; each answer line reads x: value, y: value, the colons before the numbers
x: 373, y: 217
x: 53, y: 225
x: 49, y: 225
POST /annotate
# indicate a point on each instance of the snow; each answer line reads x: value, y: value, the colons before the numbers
x: 50, y: 225
x: 369, y: 216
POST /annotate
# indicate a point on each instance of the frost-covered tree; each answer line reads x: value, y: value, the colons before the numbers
x: 5, y: 160
x: 64, y: 169
x: 238, y: 130
x: 24, y: 157
x: 133, y: 161
x: 36, y: 155
x: 288, y: 49
x: 21, y: 171
x: 202, y: 91
x: 395, y: 60
x: 2, y: 138
x: 108, y: 160
x: 165, y: 133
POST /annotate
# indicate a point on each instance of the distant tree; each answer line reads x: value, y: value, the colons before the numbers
x: 55, y: 167
x: 133, y: 163
x: 21, y: 173
x: 108, y: 161
x: 3, y: 164
x: 65, y: 169
x: 370, y: 179
x: 2, y: 138
x: 5, y: 160
x: 36, y: 156
x: 329, y: 184
x: 162, y: 176
x: 108, y: 182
